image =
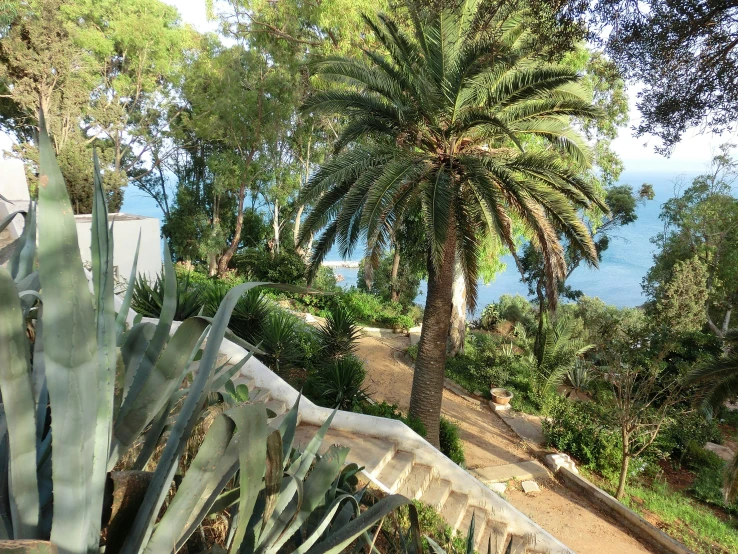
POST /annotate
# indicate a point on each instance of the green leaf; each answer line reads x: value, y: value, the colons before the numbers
x: 4, y: 222
x: 19, y: 405
x: 165, y: 378
x: 21, y: 263
x: 71, y: 373
x: 120, y: 320
x: 107, y: 355
x: 252, y: 438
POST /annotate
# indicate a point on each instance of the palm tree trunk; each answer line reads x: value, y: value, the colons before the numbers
x: 427, y: 391
x: 457, y: 332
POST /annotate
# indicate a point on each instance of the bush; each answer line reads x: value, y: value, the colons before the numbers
x: 287, y: 267
x: 450, y: 442
x: 248, y: 317
x: 148, y: 299
x: 408, y: 283
x: 279, y: 338
x: 339, y: 384
x: 691, y: 427
x: 516, y: 309
x: 489, y: 318
x: 370, y: 309
x: 391, y: 411
x: 337, y: 338
x: 580, y: 429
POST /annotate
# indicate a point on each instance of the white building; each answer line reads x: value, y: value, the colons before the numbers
x: 126, y: 227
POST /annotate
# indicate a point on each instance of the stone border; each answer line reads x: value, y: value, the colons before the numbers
x: 642, y: 529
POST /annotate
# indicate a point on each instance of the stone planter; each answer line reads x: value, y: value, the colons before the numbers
x: 501, y: 396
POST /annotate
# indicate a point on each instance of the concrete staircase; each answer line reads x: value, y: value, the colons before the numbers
x: 394, y: 466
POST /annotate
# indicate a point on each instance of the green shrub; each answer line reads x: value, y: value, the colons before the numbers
x: 338, y: 384
x: 516, y: 309
x: 249, y: 315
x: 408, y: 283
x: 147, y: 299
x: 581, y: 429
x: 696, y: 457
x: 338, y: 337
x: 412, y: 351
x: 287, y: 267
x: 279, y: 337
x: 450, y: 442
x: 489, y: 318
x: 692, y: 427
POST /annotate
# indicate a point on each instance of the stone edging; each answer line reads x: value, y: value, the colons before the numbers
x: 641, y: 528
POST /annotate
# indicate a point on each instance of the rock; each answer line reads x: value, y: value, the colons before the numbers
x: 530, y: 487
x: 499, y: 407
x: 723, y: 451
x: 309, y: 318
x: 557, y: 461
x: 499, y: 488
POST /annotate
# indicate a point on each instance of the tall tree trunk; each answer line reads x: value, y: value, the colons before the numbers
x: 623, y: 477
x: 275, y: 226
x: 394, y: 285
x: 231, y: 250
x: 296, y: 231
x: 457, y: 331
x: 427, y: 391
x: 538, y: 346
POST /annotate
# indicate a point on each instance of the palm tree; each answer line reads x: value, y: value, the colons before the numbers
x: 720, y: 380
x: 437, y: 125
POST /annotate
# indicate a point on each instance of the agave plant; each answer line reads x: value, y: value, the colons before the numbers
x: 148, y: 299
x: 80, y: 388
x: 339, y: 383
x: 249, y: 315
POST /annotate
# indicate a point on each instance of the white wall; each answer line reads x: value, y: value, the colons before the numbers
x: 13, y: 187
x: 126, y: 228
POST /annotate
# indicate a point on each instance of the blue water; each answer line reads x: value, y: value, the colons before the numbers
x: 617, y: 281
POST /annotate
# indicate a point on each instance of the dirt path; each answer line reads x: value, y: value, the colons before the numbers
x: 488, y: 441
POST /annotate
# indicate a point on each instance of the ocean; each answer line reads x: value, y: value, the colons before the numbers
x: 617, y: 281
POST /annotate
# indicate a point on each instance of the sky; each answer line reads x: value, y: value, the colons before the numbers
x: 691, y: 155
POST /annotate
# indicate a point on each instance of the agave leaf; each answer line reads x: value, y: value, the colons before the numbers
x: 17, y: 394
x: 4, y: 222
x: 21, y: 263
x: 288, y: 427
x: 6, y: 525
x: 133, y: 350
x: 152, y: 437
x: 273, y: 475
x: 415, y: 540
x: 252, y: 466
x: 325, y: 522
x: 214, y: 460
x: 163, y: 327
x: 182, y: 428
x: 317, y: 484
x: 120, y: 320
x: 339, y: 540
x: 435, y: 547
x: 165, y: 378
x: 71, y: 373
x: 107, y: 355
x: 30, y: 283
x: 225, y: 501
x: 223, y: 377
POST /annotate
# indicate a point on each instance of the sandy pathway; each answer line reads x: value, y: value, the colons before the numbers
x: 488, y: 441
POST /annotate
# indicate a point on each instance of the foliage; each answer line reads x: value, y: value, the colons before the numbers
x: 391, y: 411
x: 370, y: 309
x: 449, y: 149
x: 584, y: 430
x: 148, y: 299
x: 286, y: 267
x: 681, y: 303
x: 700, y: 224
x: 249, y: 316
x: 279, y: 340
x: 338, y: 383
x: 450, y: 442
x: 560, y: 353
x: 682, y: 52
x: 108, y: 387
x: 407, y: 281
x: 338, y: 336
x: 516, y: 309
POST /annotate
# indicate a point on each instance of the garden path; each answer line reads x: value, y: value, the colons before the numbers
x: 489, y: 442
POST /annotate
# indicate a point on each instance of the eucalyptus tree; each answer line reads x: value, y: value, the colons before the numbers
x: 435, y: 125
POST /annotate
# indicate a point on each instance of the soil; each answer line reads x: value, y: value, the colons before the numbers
x: 488, y: 441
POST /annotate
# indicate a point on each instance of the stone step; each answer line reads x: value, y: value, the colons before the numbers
x: 480, y: 516
x: 454, y: 509
x: 522, y: 471
x: 495, y: 538
x: 395, y: 472
x: 418, y: 481
x: 240, y: 379
x: 436, y: 493
x: 277, y: 406
x: 370, y: 453
x: 259, y: 395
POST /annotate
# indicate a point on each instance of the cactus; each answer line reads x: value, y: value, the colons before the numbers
x: 81, y: 388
